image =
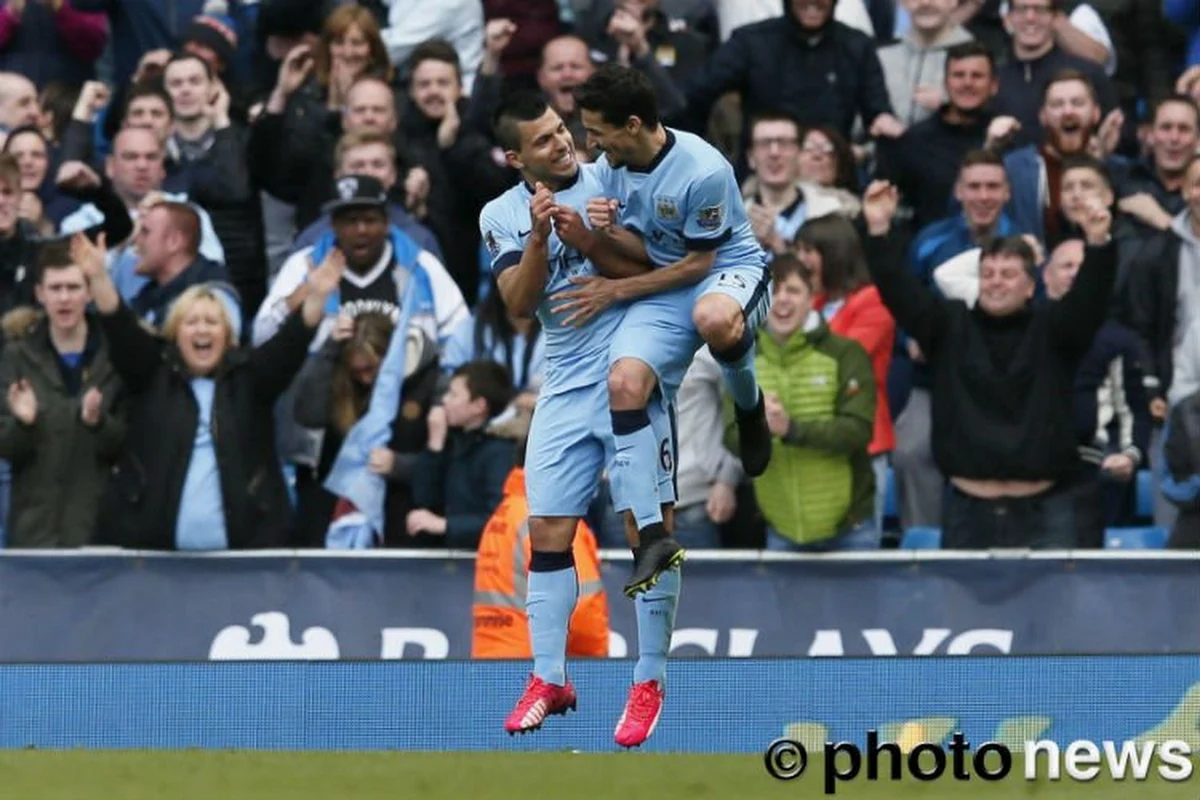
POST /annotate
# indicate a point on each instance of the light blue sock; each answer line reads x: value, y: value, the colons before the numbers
x: 634, y: 475
x: 737, y: 367
x: 656, y: 623
x: 549, y: 605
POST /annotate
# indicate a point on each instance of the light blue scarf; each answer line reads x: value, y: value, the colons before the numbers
x: 349, y: 478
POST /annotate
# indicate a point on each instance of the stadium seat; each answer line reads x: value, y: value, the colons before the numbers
x: 922, y: 539
x: 1147, y: 538
x: 1145, y: 494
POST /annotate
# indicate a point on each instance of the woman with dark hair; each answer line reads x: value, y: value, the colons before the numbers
x: 333, y: 392
x: 495, y: 334
x: 826, y: 159
x: 42, y: 205
x: 851, y: 306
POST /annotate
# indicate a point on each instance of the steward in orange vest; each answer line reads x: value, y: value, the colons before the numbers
x: 501, y: 628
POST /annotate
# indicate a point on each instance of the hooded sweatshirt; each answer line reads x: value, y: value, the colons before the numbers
x: 907, y: 65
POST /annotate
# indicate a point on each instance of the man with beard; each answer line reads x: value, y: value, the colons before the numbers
x: 923, y: 163
x: 1003, y: 374
x: 1069, y: 116
x: 1034, y: 61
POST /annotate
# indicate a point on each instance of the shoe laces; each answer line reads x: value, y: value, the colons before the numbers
x: 537, y: 689
x: 643, y: 700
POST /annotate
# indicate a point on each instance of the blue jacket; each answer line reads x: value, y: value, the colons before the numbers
x: 464, y: 483
x: 1187, y: 14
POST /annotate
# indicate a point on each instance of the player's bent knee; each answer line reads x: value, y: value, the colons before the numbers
x: 630, y: 384
x: 719, y: 321
x: 552, y: 534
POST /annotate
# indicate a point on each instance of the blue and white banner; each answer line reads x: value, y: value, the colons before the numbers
x: 104, y: 607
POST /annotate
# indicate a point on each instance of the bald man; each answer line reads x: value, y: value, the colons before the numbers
x: 18, y: 101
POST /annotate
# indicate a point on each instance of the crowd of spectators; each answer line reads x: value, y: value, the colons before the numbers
x: 220, y: 221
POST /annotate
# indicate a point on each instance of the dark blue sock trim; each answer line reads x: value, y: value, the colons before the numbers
x: 542, y: 561
x: 627, y: 422
x: 735, y: 353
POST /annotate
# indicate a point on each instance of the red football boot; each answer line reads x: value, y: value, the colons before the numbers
x: 539, y: 701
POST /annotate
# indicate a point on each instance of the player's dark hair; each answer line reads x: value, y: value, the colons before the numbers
x: 489, y: 380
x: 618, y: 93
x: 517, y: 107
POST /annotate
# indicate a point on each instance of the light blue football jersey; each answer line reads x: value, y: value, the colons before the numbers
x: 686, y: 200
x: 574, y: 357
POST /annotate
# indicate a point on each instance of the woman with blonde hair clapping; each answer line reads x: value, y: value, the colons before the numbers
x: 201, y: 470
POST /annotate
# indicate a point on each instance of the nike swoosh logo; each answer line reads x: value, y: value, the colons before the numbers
x: 523, y: 234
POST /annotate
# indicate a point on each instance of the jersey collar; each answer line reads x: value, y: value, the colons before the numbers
x: 658, y: 159
x: 574, y: 180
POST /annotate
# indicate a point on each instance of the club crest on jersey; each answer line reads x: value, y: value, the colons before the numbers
x: 665, y: 208
x: 710, y: 218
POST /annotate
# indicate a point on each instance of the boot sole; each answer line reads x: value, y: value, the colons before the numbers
x: 634, y: 589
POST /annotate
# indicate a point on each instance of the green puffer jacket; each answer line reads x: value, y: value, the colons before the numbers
x: 820, y: 482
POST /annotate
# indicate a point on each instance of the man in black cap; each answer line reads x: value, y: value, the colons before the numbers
x: 362, y: 235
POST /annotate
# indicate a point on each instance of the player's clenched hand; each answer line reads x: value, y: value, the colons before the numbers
x: 602, y: 213
x: 571, y: 229
x: 541, y: 210
x: 593, y: 296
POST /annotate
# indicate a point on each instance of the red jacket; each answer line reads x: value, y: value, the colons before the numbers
x: 865, y: 319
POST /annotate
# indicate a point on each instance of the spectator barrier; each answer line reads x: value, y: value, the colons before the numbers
x: 104, y: 606
x: 714, y: 705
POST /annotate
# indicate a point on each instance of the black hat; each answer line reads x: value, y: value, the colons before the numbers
x: 357, y: 191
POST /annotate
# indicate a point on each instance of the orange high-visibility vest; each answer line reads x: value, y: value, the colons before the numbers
x: 501, y: 628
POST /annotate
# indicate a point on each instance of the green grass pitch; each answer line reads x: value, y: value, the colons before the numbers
x: 216, y: 775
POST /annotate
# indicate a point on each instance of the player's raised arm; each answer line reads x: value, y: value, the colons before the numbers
x: 522, y: 273
x: 603, y: 217
x: 611, y: 257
